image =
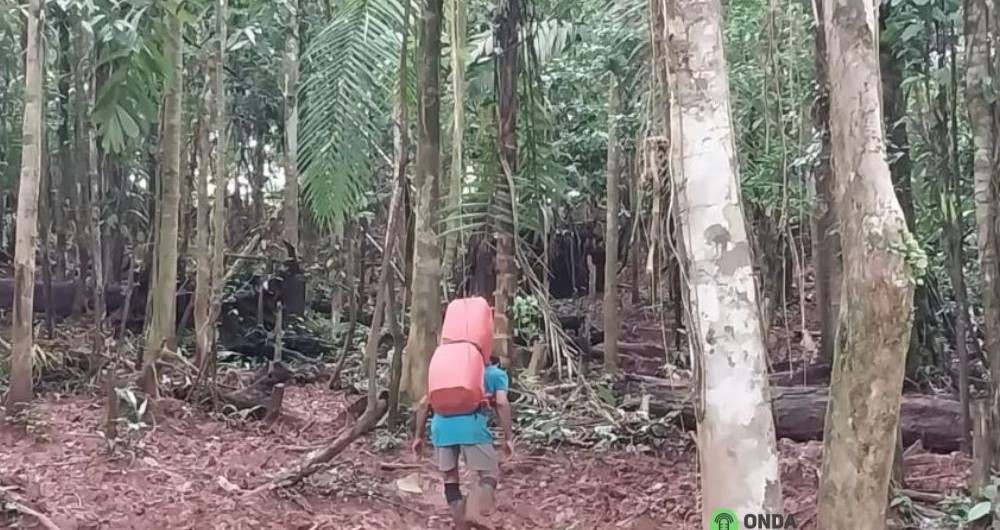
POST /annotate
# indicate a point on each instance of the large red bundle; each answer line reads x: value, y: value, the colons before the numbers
x: 469, y: 320
x: 455, y: 379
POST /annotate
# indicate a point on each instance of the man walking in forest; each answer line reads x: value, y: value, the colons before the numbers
x: 469, y: 435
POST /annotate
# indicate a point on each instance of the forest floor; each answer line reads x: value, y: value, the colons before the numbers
x: 192, y: 470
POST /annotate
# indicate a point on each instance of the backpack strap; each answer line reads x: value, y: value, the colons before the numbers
x: 462, y: 341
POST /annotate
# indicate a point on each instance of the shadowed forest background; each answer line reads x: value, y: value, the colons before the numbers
x: 741, y: 254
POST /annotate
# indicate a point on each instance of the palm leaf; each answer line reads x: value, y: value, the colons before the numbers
x: 346, y: 105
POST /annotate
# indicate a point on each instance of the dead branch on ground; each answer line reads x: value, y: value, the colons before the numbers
x: 12, y: 501
x: 314, y: 461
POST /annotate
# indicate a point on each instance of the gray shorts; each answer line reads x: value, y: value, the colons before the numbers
x: 480, y: 457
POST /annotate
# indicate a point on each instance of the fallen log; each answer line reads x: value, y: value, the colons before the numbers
x: 799, y: 412
x: 785, y: 373
x: 63, y: 292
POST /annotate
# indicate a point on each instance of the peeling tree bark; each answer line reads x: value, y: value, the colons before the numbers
x: 984, y: 136
x: 22, y: 337
x: 425, y: 316
x: 736, y: 436
x: 877, y: 301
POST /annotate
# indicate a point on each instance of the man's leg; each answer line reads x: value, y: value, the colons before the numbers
x: 483, y: 460
x: 447, y: 460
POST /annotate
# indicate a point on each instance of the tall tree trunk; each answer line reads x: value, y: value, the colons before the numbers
x: 458, y: 30
x: 221, y: 165
x: 425, y: 316
x: 898, y: 148
x: 397, y: 214
x: 95, y: 188
x: 257, y: 179
x: 826, y: 239
x: 984, y: 137
x: 21, y: 388
x: 863, y: 413
x: 726, y: 333
x: 611, y: 233
x: 945, y: 129
x: 958, y: 274
x: 161, y: 328
x: 507, y: 71
x: 61, y: 191
x: 291, y: 87
x: 81, y: 192
x: 203, y: 269
x: 45, y: 229
x: 656, y: 151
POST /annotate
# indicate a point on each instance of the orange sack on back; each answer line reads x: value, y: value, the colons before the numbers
x: 455, y: 377
x: 469, y: 320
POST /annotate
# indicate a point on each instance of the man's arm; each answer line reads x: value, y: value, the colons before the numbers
x: 423, y: 409
x: 503, y: 412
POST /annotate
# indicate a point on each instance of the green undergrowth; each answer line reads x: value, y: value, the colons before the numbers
x: 953, y: 511
x: 585, y: 413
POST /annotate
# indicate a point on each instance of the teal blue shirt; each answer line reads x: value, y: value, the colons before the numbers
x: 473, y: 428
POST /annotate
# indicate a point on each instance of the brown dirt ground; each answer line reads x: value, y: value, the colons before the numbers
x: 191, y: 470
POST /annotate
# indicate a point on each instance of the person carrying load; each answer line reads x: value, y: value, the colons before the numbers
x: 464, y: 382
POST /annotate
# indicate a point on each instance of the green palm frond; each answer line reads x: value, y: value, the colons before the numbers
x: 347, y: 104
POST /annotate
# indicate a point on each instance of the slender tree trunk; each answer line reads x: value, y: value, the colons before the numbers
x: 458, y: 29
x: 425, y: 316
x: 338, y: 273
x: 397, y: 215
x: 203, y: 272
x: 82, y: 77
x: 95, y: 191
x: 21, y: 388
x: 898, y: 148
x: 61, y: 190
x: 507, y: 71
x: 826, y: 238
x: 162, y: 323
x: 985, y: 182
x: 863, y: 413
x: 964, y: 323
x: 257, y: 179
x: 221, y: 165
x: 953, y: 221
x: 291, y: 87
x: 45, y: 229
x: 726, y: 333
x: 611, y: 234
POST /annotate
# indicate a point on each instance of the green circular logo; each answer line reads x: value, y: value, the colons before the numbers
x: 724, y: 519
